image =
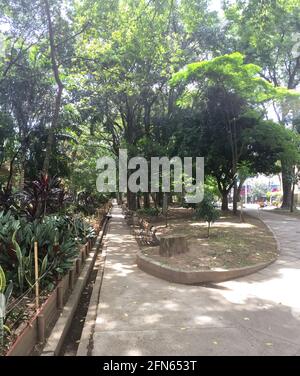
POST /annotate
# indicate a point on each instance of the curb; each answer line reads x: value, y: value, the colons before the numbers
x: 89, y: 323
x: 147, y: 265
x: 60, y: 330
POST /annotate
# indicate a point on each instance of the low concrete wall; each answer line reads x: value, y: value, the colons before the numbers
x: 49, y: 312
x: 51, y: 309
x: 170, y: 274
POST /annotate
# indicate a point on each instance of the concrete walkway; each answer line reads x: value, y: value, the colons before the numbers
x: 142, y: 315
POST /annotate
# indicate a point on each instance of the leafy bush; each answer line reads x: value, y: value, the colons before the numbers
x: 57, y: 237
x: 206, y: 211
x: 40, y: 197
x: 148, y: 212
x: 87, y: 202
x: 5, y: 293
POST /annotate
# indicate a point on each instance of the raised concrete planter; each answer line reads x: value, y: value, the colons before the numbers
x: 60, y: 330
x: 50, y: 311
x: 170, y: 274
x: 40, y: 325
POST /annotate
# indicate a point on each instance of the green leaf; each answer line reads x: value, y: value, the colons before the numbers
x: 8, y: 292
x: 5, y: 327
x: 2, y: 280
x: 44, y: 265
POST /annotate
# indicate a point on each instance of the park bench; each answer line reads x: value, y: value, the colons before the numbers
x: 146, y: 233
x: 128, y: 215
x: 124, y: 208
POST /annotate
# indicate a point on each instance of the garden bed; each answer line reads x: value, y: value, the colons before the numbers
x: 34, y: 330
x: 232, y: 245
x: 33, y: 325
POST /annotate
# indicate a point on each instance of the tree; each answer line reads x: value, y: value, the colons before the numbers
x: 60, y: 86
x: 132, y: 50
x: 266, y: 32
x: 206, y: 210
x: 225, y: 91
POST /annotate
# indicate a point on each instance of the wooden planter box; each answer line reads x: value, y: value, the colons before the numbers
x: 40, y: 325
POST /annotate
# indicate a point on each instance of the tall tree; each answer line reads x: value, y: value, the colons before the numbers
x: 224, y: 90
x: 267, y: 32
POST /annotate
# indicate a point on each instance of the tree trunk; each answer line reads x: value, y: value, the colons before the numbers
x: 55, y: 117
x: 138, y: 201
x: 182, y: 201
x: 292, y: 199
x: 286, y: 187
x: 131, y: 200
x: 154, y: 198
x: 119, y: 198
x: 208, y: 229
x: 165, y: 204
x: 22, y: 174
x: 224, y: 201
x: 235, y: 198
x: 171, y: 245
x: 293, y: 191
x: 159, y: 199
x: 146, y: 200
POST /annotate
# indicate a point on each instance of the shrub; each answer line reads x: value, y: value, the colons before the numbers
x: 57, y: 237
x: 207, y: 211
x: 148, y: 212
x: 5, y: 293
x: 40, y: 197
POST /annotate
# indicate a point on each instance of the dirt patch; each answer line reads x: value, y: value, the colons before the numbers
x: 173, y: 213
x: 232, y: 244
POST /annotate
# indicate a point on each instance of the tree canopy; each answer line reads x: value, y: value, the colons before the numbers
x: 80, y: 79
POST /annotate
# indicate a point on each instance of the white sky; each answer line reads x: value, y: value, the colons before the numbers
x: 216, y: 5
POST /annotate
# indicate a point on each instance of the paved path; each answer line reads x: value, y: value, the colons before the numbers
x: 142, y: 315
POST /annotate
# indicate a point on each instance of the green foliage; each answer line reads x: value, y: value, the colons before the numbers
x: 211, y: 186
x: 58, y: 238
x: 22, y: 262
x: 148, y: 212
x: 116, y: 61
x: 5, y: 294
x: 263, y: 31
x: 226, y: 93
x: 259, y: 190
x: 233, y: 75
x: 206, y: 211
x: 2, y: 280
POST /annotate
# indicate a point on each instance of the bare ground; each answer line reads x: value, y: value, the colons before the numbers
x: 232, y: 244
